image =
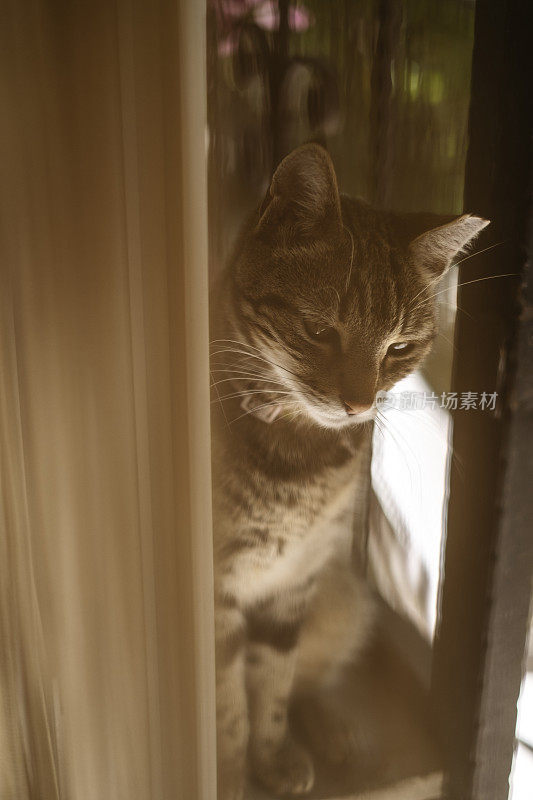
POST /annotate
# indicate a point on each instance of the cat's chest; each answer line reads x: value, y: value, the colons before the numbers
x: 299, y: 537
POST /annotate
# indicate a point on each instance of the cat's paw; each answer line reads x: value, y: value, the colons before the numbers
x: 286, y: 770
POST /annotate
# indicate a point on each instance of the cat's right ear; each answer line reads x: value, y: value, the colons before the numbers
x: 434, y: 241
x: 303, y: 198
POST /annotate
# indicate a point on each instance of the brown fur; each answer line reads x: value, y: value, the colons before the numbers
x: 319, y: 293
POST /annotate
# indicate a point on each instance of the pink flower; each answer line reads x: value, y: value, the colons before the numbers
x: 300, y: 18
x: 265, y: 14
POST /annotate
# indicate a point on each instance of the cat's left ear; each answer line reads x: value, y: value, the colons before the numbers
x: 303, y: 199
x: 435, y: 249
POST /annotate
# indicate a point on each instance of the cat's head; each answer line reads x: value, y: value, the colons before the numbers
x: 334, y: 298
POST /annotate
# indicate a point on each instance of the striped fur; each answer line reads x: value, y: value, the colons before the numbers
x: 318, y: 290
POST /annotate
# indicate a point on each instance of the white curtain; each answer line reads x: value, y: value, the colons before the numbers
x: 106, y: 664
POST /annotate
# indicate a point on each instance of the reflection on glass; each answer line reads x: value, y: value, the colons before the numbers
x: 385, y: 87
x: 521, y: 779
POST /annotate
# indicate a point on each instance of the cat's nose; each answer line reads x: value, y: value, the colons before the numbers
x: 353, y: 407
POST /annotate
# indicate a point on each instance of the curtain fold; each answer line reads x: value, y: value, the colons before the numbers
x: 106, y: 685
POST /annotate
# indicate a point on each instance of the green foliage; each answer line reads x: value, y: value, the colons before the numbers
x: 430, y: 65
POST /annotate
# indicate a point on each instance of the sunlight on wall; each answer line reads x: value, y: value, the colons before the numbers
x: 521, y: 779
x: 409, y: 477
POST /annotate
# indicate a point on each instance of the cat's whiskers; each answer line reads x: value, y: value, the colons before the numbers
x: 250, y: 382
x: 426, y: 421
x: 221, y: 404
x: 377, y: 423
x: 241, y: 371
x: 385, y: 432
x: 239, y: 352
x: 443, y: 439
x: 291, y: 414
x: 456, y: 264
x: 466, y: 283
x: 252, y: 355
x: 395, y: 435
x: 241, y: 361
x: 216, y: 342
x: 238, y: 366
x: 243, y: 376
x: 456, y: 308
x: 282, y: 403
x: 449, y: 341
x: 478, y: 252
x: 386, y: 422
x: 232, y: 370
x: 435, y: 280
x: 350, y: 268
x: 329, y: 313
x: 248, y: 393
x: 337, y: 295
x: 220, y: 342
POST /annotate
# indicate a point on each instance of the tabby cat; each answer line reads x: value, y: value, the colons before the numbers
x: 325, y: 302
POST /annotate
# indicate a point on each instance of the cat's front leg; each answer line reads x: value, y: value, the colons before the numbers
x: 232, y: 708
x: 278, y: 761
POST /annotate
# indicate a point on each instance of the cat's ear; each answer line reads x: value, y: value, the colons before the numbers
x: 303, y: 198
x: 434, y: 250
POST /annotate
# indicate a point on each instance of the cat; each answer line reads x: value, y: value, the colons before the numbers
x: 325, y: 302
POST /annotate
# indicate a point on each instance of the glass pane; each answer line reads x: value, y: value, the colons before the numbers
x: 384, y: 87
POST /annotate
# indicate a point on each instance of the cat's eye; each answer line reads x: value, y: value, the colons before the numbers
x: 320, y: 332
x: 400, y: 348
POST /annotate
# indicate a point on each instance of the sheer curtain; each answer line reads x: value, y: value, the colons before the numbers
x: 106, y: 685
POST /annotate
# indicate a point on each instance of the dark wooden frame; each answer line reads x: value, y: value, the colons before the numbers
x: 486, y: 587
